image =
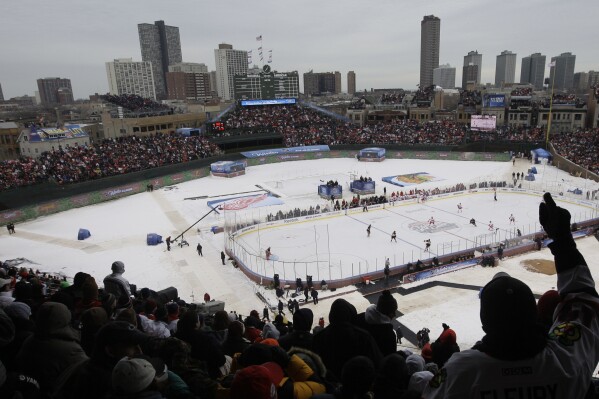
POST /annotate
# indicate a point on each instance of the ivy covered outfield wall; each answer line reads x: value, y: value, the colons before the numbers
x: 134, y: 187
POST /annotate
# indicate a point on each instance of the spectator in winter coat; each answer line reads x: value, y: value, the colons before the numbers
x: 53, y: 348
x: 91, y: 321
x: 158, y: 326
x: 392, y: 379
x: 92, y: 379
x: 559, y: 364
x: 301, y: 335
x: 115, y: 283
x: 176, y: 355
x: 234, y: 341
x: 377, y: 321
x: 341, y: 340
x: 444, y: 346
x: 5, y: 292
x: 24, y: 327
x: 203, y: 345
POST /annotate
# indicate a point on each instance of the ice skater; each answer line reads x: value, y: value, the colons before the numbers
x: 495, y: 194
x: 512, y: 219
x: 365, y: 208
x: 368, y: 230
x: 199, y: 249
x: 490, y: 225
x: 427, y: 245
x: 473, y: 222
x: 460, y: 207
x: 268, y: 253
x: 393, y: 236
x: 431, y: 221
x: 168, y: 243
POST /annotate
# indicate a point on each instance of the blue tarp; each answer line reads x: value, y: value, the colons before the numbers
x: 540, y: 153
x: 154, y: 239
x: 83, y: 234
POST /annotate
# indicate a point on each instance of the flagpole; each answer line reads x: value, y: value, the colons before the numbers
x: 550, y: 107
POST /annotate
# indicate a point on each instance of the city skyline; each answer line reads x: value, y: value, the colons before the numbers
x: 381, y: 44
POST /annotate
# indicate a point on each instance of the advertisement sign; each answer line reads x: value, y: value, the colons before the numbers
x: 483, y: 122
x: 290, y: 150
x: 494, y: 100
x: 278, y: 101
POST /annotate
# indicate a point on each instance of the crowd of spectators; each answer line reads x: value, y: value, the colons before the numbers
x: 562, y: 99
x: 580, y: 147
x: 470, y: 98
x: 424, y: 96
x: 393, y: 98
x: 108, y: 157
x: 522, y: 92
x: 135, y: 103
x: 77, y: 340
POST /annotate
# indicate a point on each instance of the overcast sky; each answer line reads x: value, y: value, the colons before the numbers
x: 379, y: 40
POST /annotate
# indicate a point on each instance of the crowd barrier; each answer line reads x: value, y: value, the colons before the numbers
x: 449, y: 255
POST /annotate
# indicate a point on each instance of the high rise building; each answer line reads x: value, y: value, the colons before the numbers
x: 1, y: 94
x: 188, y: 81
x: 430, y: 39
x: 337, y: 82
x: 317, y: 83
x: 126, y: 76
x: 469, y: 75
x: 229, y: 62
x: 161, y: 45
x: 561, y: 76
x: 444, y: 76
x: 593, y: 78
x: 474, y: 58
x: 581, y: 82
x: 533, y: 70
x: 351, y: 82
x: 55, y: 91
x: 505, y: 68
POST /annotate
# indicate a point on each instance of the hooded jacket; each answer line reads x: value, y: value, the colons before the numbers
x: 301, y: 335
x: 341, y: 340
x: 380, y: 327
x: 53, y: 347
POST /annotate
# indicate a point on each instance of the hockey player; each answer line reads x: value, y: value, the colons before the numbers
x: 473, y: 222
x: 495, y: 194
x: 368, y: 230
x: 512, y: 219
x: 268, y: 253
x: 460, y: 207
x: 431, y: 221
x: 394, y: 236
x: 427, y: 245
x: 490, y: 225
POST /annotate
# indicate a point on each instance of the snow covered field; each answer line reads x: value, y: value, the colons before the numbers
x: 119, y: 230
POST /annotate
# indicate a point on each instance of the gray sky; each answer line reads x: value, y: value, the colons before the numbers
x: 379, y: 40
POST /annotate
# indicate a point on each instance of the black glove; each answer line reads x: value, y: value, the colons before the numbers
x: 555, y: 220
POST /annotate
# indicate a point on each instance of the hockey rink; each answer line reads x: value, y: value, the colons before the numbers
x: 119, y: 228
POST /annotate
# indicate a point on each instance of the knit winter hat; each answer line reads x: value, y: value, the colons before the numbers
x: 386, y: 304
x: 419, y: 380
x: 131, y: 376
x: 357, y: 375
x: 507, y: 306
x: 18, y: 310
x: 254, y: 382
x: 342, y: 312
x: 118, y: 267
x: 303, y: 319
x: 415, y: 363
